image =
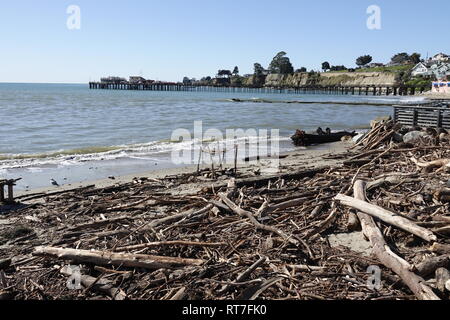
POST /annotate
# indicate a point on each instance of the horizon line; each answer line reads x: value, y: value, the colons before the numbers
x: 7, y: 82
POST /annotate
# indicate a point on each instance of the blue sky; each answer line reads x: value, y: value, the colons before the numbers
x: 166, y: 40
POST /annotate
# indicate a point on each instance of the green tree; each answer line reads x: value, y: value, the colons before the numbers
x: 281, y: 64
x: 186, y: 80
x: 415, y: 57
x: 224, y: 73
x: 400, y: 58
x: 258, y: 70
x: 235, y: 71
x: 338, y: 68
x: 363, y: 60
x: 302, y: 69
x: 326, y: 66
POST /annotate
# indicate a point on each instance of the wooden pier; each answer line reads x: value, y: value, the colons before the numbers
x: 427, y: 116
x: 385, y: 90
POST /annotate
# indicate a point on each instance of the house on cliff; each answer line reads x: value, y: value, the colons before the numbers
x: 441, y: 57
x: 375, y: 65
x: 437, y: 69
x: 420, y: 69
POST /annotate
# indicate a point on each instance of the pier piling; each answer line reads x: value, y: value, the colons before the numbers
x: 310, y: 89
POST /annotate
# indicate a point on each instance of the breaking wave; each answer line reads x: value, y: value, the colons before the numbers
x: 145, y: 151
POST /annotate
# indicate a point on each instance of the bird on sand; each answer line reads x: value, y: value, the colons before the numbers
x: 54, y: 182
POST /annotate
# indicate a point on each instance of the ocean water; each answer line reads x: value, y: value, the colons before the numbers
x: 71, y: 134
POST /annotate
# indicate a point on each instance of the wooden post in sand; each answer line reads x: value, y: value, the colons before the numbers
x: 235, y: 158
x: 10, y: 192
x: 10, y: 184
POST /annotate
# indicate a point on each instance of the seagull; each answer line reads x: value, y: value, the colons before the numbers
x: 54, y: 182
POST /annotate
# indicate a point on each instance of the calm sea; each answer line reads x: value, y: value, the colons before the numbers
x: 59, y: 131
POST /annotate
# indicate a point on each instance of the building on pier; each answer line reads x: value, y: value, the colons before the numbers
x: 113, y: 79
x: 137, y: 80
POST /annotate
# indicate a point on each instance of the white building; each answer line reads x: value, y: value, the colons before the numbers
x: 441, y: 87
x: 420, y: 69
x: 439, y: 69
x: 441, y: 57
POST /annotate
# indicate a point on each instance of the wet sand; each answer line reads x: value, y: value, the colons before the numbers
x: 290, y: 161
x: 437, y: 96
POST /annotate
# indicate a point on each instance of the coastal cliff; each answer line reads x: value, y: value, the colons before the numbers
x: 330, y: 79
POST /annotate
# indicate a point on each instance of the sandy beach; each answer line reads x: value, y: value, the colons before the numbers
x: 437, y: 96
x: 289, y: 161
x: 177, y: 235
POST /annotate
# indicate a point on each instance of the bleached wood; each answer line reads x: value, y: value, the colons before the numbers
x: 387, y: 216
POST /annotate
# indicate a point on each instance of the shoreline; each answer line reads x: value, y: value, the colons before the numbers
x: 437, y: 96
x: 374, y: 104
x: 289, y: 161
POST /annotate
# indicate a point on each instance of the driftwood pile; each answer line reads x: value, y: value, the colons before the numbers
x: 244, y: 238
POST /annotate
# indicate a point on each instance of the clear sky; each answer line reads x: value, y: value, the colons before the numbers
x: 169, y: 39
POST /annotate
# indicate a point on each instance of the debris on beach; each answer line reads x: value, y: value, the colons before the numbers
x: 310, y: 234
x: 303, y: 139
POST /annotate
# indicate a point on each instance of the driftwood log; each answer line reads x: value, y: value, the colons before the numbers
x: 430, y: 265
x: 387, y: 216
x: 116, y: 259
x: 171, y: 243
x: 440, y: 248
x: 100, y: 285
x: 387, y: 256
x: 302, y: 139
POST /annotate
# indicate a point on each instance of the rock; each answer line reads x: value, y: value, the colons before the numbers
x: 431, y: 131
x: 444, y: 137
x: 397, y: 137
x: 358, y: 137
x: 448, y: 183
x: 414, y: 136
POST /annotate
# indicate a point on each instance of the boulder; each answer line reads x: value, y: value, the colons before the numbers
x: 397, y: 137
x: 414, y: 136
x: 444, y: 137
x: 358, y: 137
